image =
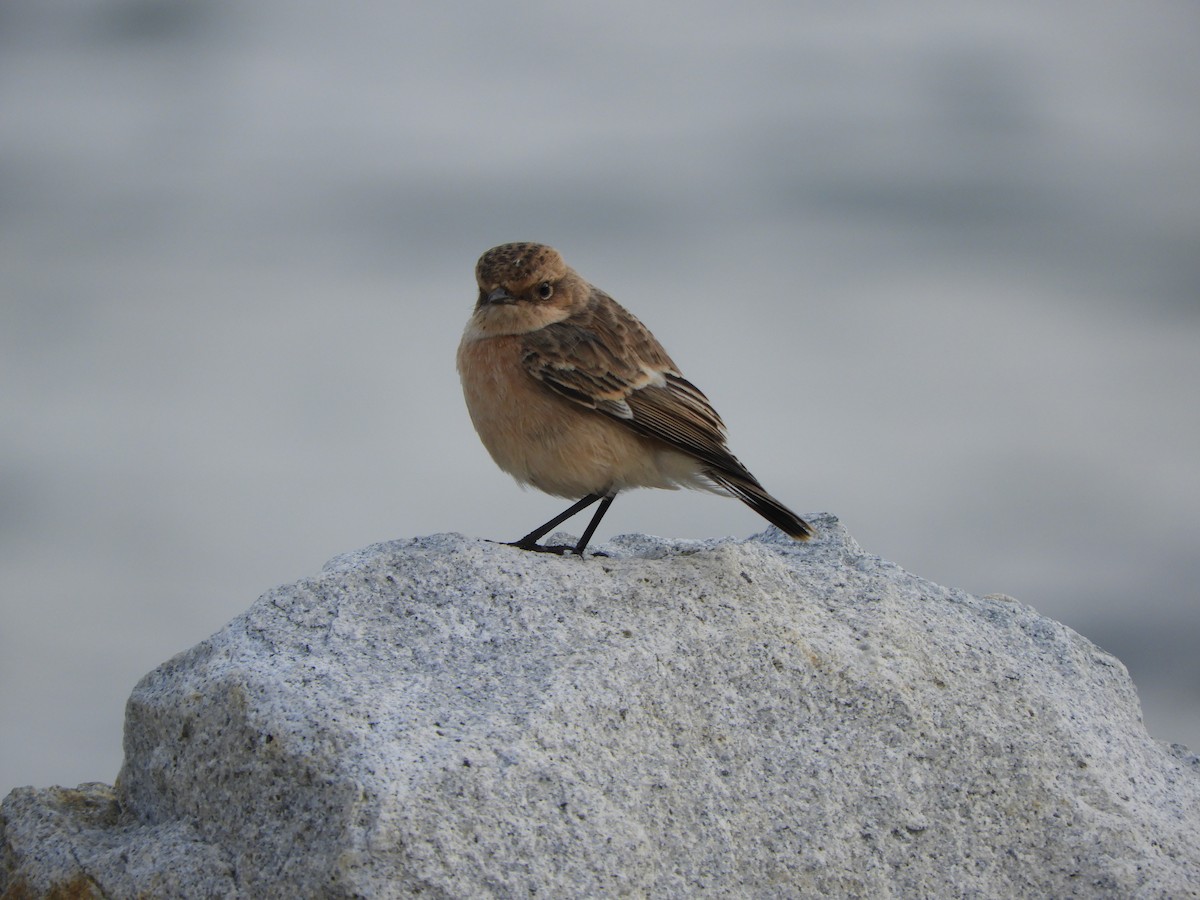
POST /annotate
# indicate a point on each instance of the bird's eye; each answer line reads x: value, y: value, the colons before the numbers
x: 545, y: 289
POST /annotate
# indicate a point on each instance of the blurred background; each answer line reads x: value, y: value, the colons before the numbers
x: 937, y: 264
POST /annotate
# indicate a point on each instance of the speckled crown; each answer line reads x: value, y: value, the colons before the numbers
x: 514, y: 265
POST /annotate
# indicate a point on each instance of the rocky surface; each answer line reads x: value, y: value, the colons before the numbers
x: 456, y: 718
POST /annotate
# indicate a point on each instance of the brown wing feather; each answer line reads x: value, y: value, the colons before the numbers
x: 605, y: 359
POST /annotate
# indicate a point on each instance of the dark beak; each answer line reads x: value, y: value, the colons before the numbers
x: 499, y: 295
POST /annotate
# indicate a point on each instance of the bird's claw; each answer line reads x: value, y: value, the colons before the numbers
x: 556, y: 549
x: 560, y: 549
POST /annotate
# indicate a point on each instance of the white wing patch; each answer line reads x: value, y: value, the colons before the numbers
x: 618, y: 408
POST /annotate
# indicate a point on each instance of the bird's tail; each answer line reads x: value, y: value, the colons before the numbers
x: 755, y: 496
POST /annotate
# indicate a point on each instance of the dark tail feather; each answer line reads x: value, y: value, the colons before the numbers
x: 755, y: 496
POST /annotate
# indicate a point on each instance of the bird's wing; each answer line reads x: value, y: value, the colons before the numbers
x: 604, y: 359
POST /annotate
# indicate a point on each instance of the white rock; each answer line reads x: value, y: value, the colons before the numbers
x: 679, y: 719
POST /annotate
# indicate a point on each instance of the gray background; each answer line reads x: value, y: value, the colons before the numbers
x: 937, y: 265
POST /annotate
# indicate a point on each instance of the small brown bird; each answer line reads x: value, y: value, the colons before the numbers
x: 572, y: 394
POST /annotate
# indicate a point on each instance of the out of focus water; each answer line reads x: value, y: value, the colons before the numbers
x: 938, y: 266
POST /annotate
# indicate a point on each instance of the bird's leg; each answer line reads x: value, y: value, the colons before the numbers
x: 530, y: 541
x: 591, y: 529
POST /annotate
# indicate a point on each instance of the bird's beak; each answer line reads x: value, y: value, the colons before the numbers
x: 499, y: 295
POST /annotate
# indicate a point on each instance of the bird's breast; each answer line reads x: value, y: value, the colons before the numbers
x: 544, y: 439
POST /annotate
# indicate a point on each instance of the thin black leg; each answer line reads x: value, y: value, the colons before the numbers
x: 530, y: 541
x: 591, y: 529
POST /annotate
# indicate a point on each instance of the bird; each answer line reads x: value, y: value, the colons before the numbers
x: 571, y: 394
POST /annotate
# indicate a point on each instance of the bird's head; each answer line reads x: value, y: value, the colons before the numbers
x: 524, y: 287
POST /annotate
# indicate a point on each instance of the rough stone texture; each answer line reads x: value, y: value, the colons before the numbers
x: 455, y: 718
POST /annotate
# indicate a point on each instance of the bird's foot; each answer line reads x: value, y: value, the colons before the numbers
x: 560, y: 549
x: 557, y: 549
x: 523, y: 544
